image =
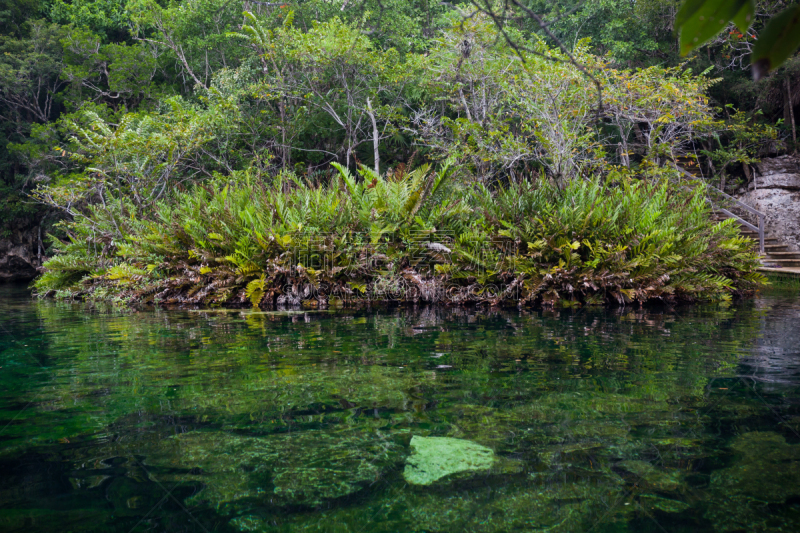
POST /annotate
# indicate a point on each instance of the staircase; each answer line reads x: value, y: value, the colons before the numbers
x: 775, y: 255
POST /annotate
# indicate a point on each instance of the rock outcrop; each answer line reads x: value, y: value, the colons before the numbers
x: 775, y: 191
x: 19, y: 254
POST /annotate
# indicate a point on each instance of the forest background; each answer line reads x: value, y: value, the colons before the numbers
x: 113, y: 107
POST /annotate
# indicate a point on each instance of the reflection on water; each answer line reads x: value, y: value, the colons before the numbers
x: 581, y: 420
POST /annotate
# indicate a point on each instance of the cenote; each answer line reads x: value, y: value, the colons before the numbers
x: 607, y: 420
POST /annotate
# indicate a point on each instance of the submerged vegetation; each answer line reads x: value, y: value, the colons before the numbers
x: 315, y: 421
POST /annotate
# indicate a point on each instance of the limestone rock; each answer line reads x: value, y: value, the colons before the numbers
x: 785, y: 164
x: 19, y: 255
x: 776, y: 192
x: 785, y: 181
x: 434, y: 458
x: 559, y: 506
x: 666, y: 505
x: 657, y: 478
x: 767, y: 468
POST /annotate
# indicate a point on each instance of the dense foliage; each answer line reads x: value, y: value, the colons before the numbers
x: 416, y: 236
x: 122, y: 114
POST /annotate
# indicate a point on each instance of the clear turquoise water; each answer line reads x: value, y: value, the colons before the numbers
x: 600, y: 420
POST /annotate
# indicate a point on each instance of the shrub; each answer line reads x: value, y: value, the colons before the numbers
x: 414, y: 236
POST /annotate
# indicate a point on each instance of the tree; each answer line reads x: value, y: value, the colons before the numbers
x: 333, y: 69
x: 117, y: 74
x: 194, y: 32
x: 746, y: 141
x: 31, y: 64
x: 657, y: 112
x: 30, y: 73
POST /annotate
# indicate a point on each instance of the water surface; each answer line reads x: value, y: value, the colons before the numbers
x: 600, y: 420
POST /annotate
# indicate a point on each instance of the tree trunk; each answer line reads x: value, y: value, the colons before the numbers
x: 466, y: 107
x: 285, y: 149
x: 790, y: 103
x: 639, y: 135
x: 374, y: 138
x: 624, y: 154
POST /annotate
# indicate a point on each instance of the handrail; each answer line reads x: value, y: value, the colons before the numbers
x: 723, y: 193
x: 741, y: 220
x: 761, y: 216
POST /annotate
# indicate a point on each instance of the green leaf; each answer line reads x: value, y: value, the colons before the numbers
x: 744, y: 17
x: 700, y: 20
x: 777, y: 42
x: 687, y: 11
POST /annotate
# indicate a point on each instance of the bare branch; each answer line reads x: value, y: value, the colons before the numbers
x: 500, y: 20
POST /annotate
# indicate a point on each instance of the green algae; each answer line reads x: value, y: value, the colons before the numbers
x: 652, y: 477
x: 306, y: 468
x: 553, y: 506
x: 666, y: 505
x: 434, y: 458
x: 764, y: 474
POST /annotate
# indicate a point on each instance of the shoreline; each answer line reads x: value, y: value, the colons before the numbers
x: 429, y: 292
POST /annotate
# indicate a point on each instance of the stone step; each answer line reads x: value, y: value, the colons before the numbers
x: 782, y: 262
x: 776, y: 252
x: 767, y: 240
x: 784, y: 255
x: 754, y: 235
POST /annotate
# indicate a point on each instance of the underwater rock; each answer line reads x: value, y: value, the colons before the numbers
x: 652, y: 476
x: 765, y: 471
x: 557, y: 506
x: 485, y: 425
x: 304, y: 468
x: 249, y: 523
x: 436, y: 457
x: 310, y: 485
x: 767, y: 468
x: 667, y: 505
